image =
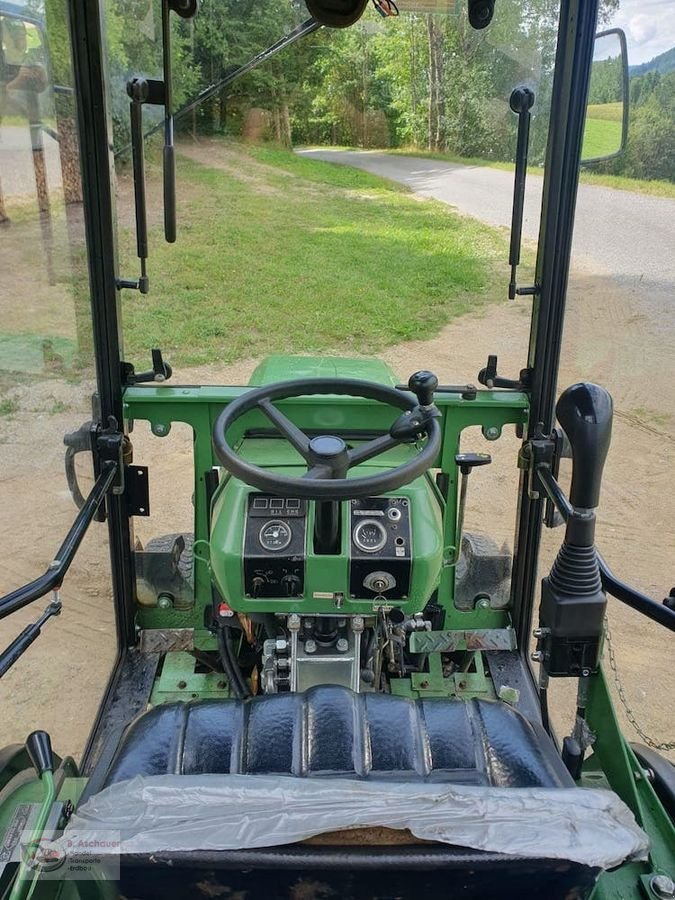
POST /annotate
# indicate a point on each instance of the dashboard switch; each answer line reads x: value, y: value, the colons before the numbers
x: 291, y: 585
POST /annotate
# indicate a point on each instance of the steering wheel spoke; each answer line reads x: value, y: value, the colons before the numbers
x: 320, y: 472
x: 372, y: 448
x: 294, y: 435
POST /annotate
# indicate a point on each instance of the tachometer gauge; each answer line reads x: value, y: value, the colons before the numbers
x: 275, y: 536
x: 369, y: 535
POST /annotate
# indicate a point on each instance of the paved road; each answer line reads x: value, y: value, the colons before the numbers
x: 630, y: 237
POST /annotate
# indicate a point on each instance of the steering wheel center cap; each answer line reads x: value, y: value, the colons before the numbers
x: 327, y: 447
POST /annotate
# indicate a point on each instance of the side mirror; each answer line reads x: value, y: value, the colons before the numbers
x: 606, y: 129
x: 336, y: 13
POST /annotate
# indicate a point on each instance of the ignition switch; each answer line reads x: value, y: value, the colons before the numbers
x: 379, y: 582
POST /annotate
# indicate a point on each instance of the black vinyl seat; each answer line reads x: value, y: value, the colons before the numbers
x: 329, y: 730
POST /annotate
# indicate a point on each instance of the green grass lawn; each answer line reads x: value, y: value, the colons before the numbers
x: 602, y: 137
x: 286, y: 254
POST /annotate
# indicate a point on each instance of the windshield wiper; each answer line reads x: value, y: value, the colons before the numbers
x: 309, y: 26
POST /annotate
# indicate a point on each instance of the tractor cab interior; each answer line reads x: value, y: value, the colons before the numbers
x: 327, y: 679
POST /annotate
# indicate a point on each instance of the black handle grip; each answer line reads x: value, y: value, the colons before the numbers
x: 584, y: 411
x: 39, y: 748
x: 423, y: 384
x: 170, y: 194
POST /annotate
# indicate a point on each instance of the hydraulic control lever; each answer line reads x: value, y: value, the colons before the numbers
x: 39, y: 749
x: 410, y: 424
x: 573, y: 603
x: 466, y: 463
x: 585, y: 415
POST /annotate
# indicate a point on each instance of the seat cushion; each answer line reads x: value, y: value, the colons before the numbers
x: 330, y: 730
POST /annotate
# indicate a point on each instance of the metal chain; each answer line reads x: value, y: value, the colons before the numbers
x: 656, y: 745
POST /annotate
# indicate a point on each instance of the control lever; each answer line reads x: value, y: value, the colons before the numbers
x: 410, y: 424
x: 584, y: 412
x: 39, y: 749
x: 489, y: 377
x: 466, y: 462
x: 423, y: 384
x: 573, y: 604
x: 161, y: 371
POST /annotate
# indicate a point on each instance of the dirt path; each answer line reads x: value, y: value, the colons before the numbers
x: 610, y: 338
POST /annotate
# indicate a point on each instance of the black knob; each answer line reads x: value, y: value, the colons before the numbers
x: 469, y: 461
x: 423, y: 384
x: 585, y: 415
x: 521, y: 99
x: 39, y: 749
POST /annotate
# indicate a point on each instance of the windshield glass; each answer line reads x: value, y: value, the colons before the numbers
x: 266, y: 235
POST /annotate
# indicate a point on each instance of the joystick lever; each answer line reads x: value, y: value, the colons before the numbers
x: 584, y: 412
x: 573, y: 602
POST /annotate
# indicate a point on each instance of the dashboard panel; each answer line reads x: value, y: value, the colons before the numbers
x: 380, y: 548
x: 274, y: 546
x: 263, y: 559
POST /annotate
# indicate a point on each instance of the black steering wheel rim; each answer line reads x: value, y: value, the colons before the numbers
x: 324, y: 487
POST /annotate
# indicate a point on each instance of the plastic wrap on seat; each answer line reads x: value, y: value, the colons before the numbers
x: 164, y: 813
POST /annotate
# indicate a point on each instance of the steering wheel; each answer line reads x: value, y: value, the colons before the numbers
x: 328, y: 458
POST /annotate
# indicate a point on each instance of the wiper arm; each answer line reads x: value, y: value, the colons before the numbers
x: 308, y: 27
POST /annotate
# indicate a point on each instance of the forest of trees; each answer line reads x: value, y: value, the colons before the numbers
x: 423, y: 81
x: 429, y: 82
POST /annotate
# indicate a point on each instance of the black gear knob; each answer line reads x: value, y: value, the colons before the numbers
x: 584, y: 411
x: 39, y: 748
x: 423, y: 384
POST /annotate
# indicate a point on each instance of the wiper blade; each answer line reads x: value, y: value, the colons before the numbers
x: 309, y: 26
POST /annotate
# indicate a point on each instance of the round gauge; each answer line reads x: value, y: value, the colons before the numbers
x: 275, y: 536
x: 369, y: 535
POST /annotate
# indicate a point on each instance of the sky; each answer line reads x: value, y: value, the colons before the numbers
x: 649, y: 27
